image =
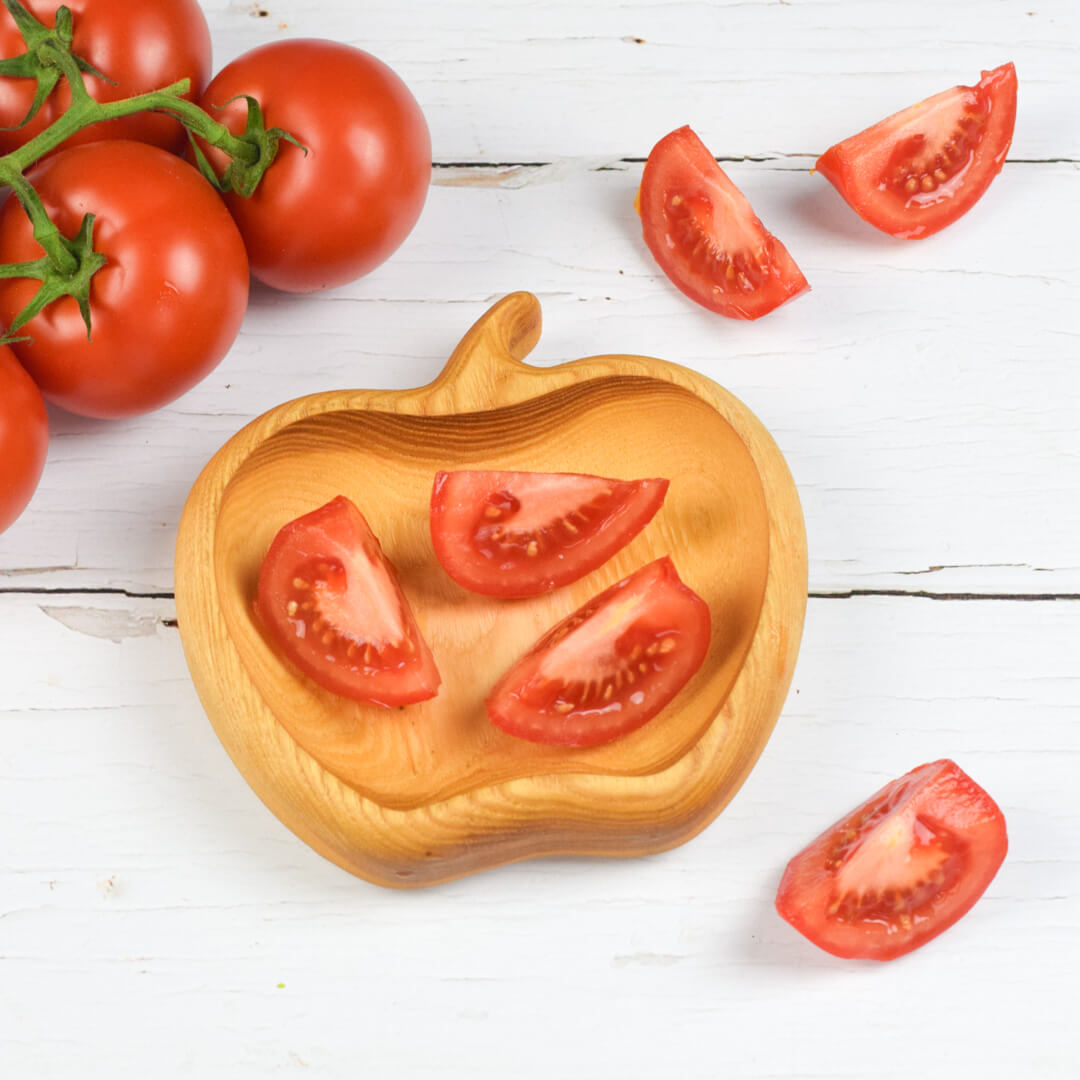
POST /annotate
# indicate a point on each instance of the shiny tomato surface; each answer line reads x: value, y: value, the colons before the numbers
x: 609, y: 667
x: 704, y: 233
x: 523, y: 533
x: 922, y: 168
x: 333, y: 606
x: 326, y: 217
x: 899, y: 869
x: 168, y: 304
x: 141, y: 46
x: 24, y: 437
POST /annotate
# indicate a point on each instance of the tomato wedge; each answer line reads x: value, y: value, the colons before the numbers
x: 332, y: 603
x: 608, y: 668
x: 703, y: 232
x: 919, y: 170
x: 521, y: 534
x: 899, y: 869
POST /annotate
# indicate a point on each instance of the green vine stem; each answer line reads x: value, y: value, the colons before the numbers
x: 70, y: 263
x: 45, y: 231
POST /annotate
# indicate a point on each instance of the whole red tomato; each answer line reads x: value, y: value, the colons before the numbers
x: 165, y: 308
x: 328, y: 217
x: 24, y: 437
x: 141, y: 46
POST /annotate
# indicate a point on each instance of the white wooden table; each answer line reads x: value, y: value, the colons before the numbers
x: 157, y: 921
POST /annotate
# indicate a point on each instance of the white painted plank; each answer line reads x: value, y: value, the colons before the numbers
x: 925, y: 393
x: 506, y: 81
x: 150, y: 906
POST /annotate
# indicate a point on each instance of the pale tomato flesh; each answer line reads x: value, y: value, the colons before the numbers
x: 515, y: 534
x: 335, y: 609
x: 899, y: 869
x: 919, y: 170
x: 609, y: 667
x: 704, y: 233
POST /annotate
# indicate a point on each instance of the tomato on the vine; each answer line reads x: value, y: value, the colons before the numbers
x: 920, y: 169
x: 24, y: 437
x: 167, y: 305
x: 140, y: 46
x: 328, y: 216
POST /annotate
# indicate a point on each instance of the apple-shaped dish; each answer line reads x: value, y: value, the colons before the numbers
x: 411, y: 797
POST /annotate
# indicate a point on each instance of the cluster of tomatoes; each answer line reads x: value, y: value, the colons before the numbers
x: 169, y: 301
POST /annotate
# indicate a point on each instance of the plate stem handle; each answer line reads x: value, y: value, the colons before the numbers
x: 487, y: 363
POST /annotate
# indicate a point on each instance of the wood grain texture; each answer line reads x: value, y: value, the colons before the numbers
x: 413, y: 798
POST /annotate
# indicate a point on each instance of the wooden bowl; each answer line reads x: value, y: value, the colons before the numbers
x: 410, y: 797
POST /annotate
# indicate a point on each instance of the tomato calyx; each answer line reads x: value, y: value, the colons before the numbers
x: 244, y: 172
x: 42, y: 60
x: 56, y: 282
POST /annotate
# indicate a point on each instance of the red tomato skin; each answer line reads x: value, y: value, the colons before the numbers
x: 680, y: 167
x: 843, y: 164
x: 313, y: 536
x: 673, y: 611
x: 454, y: 517
x: 954, y: 802
x: 24, y: 438
x: 141, y: 46
x: 167, y: 306
x: 321, y: 220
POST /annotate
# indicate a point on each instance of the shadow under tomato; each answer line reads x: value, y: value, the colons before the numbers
x: 821, y: 209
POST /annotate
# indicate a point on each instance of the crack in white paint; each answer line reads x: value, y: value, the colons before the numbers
x: 109, y: 624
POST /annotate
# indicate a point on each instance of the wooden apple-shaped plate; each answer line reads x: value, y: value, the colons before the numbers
x: 410, y: 797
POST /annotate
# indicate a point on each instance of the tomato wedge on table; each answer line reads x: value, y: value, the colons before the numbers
x: 704, y: 233
x: 919, y: 170
x: 608, y: 668
x: 518, y: 534
x: 899, y: 869
x: 332, y: 602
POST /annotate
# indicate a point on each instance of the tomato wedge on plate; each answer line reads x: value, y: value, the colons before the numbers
x: 899, y: 869
x: 332, y: 603
x: 919, y: 170
x: 608, y: 668
x: 521, y: 533
x: 704, y: 233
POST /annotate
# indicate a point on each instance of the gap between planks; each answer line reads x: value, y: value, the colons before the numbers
x: 839, y: 594
x: 754, y: 159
